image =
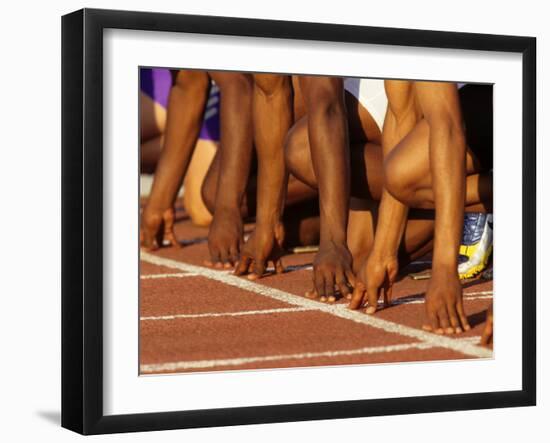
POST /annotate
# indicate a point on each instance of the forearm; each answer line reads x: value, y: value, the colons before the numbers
x: 272, y: 115
x: 184, y: 117
x: 331, y: 162
x: 390, y: 227
x: 447, y: 163
x: 236, y: 144
x: 392, y: 214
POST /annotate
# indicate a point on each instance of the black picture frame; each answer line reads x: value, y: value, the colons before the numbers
x: 82, y: 219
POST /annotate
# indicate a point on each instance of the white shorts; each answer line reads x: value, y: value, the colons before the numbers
x: 371, y: 94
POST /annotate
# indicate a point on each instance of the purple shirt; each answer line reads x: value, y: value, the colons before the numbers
x: 157, y: 82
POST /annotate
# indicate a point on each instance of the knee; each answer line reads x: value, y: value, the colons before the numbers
x: 293, y: 152
x: 208, y: 195
x: 396, y: 180
x: 297, y: 155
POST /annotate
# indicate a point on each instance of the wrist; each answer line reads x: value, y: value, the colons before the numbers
x: 383, y: 251
x: 446, y: 258
x: 268, y: 223
x: 333, y: 239
x: 448, y: 268
x: 152, y: 208
x: 227, y: 209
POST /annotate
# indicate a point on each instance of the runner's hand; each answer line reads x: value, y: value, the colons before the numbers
x: 444, y: 307
x: 264, y: 244
x: 157, y: 229
x: 376, y: 278
x: 332, y: 269
x: 225, y: 239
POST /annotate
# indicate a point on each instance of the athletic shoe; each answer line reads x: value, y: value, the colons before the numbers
x: 477, y: 244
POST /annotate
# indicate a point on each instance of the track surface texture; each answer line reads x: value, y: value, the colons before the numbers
x: 193, y: 318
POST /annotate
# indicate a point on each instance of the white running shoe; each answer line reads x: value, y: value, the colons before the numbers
x: 477, y: 244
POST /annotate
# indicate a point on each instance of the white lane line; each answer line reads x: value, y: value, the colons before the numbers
x: 203, y: 364
x: 472, y: 339
x: 336, y: 310
x: 174, y: 275
x: 418, y: 299
x: 225, y: 314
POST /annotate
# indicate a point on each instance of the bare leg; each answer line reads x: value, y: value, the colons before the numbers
x: 152, y: 122
x: 367, y: 179
x: 203, y: 157
x: 431, y: 168
x: 408, y: 176
x: 152, y: 117
x: 417, y: 239
x: 366, y: 158
x: 150, y: 151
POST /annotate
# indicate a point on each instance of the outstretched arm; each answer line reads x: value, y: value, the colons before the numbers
x: 226, y: 231
x: 272, y: 117
x: 185, y: 110
x: 381, y: 268
x: 329, y: 145
x: 441, y: 108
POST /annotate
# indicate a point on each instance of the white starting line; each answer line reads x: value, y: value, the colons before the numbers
x: 433, y: 340
x: 403, y: 301
x: 414, y: 300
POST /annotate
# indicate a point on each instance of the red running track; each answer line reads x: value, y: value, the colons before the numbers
x: 198, y: 319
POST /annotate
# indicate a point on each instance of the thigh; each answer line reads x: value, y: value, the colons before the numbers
x: 367, y: 176
x: 152, y: 117
x: 409, y: 161
x: 298, y: 153
x: 201, y: 160
x: 367, y: 171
